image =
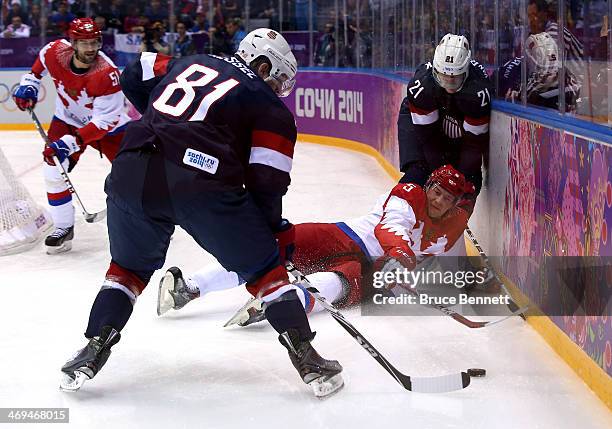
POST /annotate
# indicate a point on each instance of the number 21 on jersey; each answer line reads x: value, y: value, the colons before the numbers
x: 187, y: 86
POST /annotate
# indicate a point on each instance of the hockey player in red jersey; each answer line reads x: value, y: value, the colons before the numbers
x: 406, y: 226
x: 89, y: 111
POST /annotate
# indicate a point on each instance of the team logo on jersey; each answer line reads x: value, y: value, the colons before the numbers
x: 201, y: 161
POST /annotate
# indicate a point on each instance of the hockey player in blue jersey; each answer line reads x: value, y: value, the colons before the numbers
x: 211, y: 153
x: 444, y: 118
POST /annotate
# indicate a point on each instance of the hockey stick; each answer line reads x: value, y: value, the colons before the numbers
x: 439, y: 384
x: 89, y: 217
x: 461, y: 318
x: 512, y: 306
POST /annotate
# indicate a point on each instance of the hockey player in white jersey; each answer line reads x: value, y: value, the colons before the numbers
x: 406, y: 226
x: 89, y: 111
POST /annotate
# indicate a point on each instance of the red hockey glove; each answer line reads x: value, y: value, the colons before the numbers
x: 285, y: 237
x: 397, y: 258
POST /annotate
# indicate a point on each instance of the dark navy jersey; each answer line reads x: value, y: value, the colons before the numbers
x: 464, y: 114
x: 509, y: 76
x: 214, y: 117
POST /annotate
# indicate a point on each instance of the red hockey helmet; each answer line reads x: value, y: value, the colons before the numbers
x: 84, y: 28
x: 452, y: 180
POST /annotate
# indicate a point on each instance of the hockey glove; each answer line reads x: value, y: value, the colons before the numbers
x: 285, y: 237
x: 398, y: 259
x: 26, y: 95
x: 61, y: 148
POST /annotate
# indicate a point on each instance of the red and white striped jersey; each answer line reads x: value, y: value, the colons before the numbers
x: 400, y: 219
x: 92, y: 101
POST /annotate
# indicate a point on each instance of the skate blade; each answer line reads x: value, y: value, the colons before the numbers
x: 242, y: 315
x: 323, y: 387
x: 164, y: 300
x: 54, y: 250
x: 69, y: 384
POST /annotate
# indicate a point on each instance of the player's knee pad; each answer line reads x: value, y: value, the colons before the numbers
x: 415, y: 172
x: 133, y: 282
x: 268, y: 284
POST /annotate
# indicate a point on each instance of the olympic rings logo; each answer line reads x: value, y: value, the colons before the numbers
x: 6, y: 96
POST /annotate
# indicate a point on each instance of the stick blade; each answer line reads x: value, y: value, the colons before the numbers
x: 95, y: 217
x: 440, y: 384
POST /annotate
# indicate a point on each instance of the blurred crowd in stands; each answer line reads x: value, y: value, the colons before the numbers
x: 221, y: 21
x: 389, y: 35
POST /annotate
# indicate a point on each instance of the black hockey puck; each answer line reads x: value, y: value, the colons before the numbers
x: 476, y: 372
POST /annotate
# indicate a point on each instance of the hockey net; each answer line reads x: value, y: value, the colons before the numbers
x: 22, y: 222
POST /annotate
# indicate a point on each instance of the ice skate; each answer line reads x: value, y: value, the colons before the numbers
x: 173, y: 292
x: 322, y: 375
x: 60, y: 240
x: 249, y: 313
x: 88, y: 361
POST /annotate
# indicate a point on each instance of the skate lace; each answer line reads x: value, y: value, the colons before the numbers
x: 60, y: 232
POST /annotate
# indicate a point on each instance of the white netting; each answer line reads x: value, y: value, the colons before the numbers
x: 22, y: 221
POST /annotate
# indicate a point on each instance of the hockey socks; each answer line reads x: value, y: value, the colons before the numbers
x: 112, y: 307
x: 286, y: 312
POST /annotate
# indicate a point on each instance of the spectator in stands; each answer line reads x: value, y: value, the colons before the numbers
x: 230, y: 9
x: 156, y: 12
x: 62, y: 18
x: 201, y: 24
x: 101, y: 23
x: 220, y: 41
x: 16, y: 10
x: 35, y: 21
x: 16, y: 29
x: 269, y: 12
x: 153, y: 40
x: 186, y: 11
x: 184, y: 45
x: 114, y: 12
x: 235, y: 32
x: 132, y: 20
x: 83, y: 8
x: 326, y: 47
x: 302, y: 14
x: 541, y: 18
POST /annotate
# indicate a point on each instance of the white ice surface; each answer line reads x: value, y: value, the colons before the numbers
x: 184, y: 370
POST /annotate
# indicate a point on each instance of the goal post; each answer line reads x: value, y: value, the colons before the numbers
x: 22, y: 222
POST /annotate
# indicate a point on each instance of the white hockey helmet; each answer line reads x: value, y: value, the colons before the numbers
x: 451, y: 62
x: 542, y: 53
x: 273, y: 46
